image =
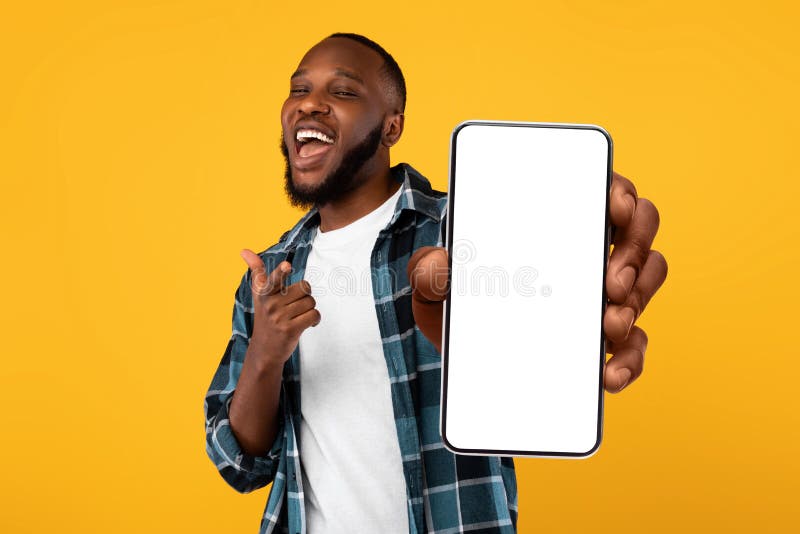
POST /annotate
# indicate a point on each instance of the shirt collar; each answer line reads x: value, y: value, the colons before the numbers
x: 416, y: 194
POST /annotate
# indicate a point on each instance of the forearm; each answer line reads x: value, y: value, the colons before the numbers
x: 254, y: 406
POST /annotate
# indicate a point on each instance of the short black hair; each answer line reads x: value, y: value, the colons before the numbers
x: 390, y: 67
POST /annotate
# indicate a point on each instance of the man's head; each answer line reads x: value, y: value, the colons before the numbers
x: 343, y: 113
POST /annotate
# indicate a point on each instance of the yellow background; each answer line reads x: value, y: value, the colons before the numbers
x: 139, y: 154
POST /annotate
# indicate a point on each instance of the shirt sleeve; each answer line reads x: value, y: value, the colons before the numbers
x: 242, y: 471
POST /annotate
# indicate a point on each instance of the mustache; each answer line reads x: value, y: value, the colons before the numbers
x: 340, y: 180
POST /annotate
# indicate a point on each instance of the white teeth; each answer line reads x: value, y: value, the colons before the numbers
x: 313, y: 134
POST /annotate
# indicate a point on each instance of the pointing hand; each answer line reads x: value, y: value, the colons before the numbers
x: 281, y: 313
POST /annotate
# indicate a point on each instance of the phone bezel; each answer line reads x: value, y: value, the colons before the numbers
x: 446, y: 311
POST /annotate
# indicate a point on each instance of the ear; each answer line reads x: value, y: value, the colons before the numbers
x: 392, y: 129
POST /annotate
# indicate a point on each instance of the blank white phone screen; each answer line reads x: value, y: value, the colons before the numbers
x: 523, y: 345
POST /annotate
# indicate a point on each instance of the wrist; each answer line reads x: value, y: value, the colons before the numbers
x: 263, y: 362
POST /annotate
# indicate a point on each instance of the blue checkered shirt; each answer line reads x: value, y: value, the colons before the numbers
x: 445, y: 493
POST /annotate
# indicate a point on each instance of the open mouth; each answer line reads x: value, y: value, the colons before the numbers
x: 310, y: 142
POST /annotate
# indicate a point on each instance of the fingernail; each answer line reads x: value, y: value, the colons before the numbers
x: 631, y: 202
x: 627, y: 315
x: 625, y: 277
x: 625, y: 375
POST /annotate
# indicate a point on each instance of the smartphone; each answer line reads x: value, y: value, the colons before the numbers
x: 527, y: 234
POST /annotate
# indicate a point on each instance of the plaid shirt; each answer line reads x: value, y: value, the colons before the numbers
x: 445, y: 493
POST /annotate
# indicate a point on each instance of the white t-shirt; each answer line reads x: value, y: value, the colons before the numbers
x: 352, y: 466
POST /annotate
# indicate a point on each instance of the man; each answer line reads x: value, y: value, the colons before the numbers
x: 332, y: 306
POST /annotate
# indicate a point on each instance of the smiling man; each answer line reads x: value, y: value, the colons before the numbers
x: 329, y: 385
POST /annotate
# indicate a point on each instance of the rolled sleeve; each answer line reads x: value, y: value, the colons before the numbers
x: 242, y: 471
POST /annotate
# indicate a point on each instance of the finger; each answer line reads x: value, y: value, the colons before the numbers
x: 276, y: 279
x: 622, y: 200
x: 428, y: 317
x: 627, y: 362
x: 619, y: 318
x: 258, y: 274
x: 653, y: 274
x: 617, y: 322
x: 294, y: 292
x: 308, y: 318
x: 631, y: 250
x: 262, y: 283
x: 300, y: 306
x: 428, y: 274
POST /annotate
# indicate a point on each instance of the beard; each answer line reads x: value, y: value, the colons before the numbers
x: 337, y: 183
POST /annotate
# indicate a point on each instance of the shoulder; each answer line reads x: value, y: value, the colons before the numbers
x: 424, y: 196
x: 291, y: 237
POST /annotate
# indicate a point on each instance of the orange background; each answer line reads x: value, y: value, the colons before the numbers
x: 139, y: 154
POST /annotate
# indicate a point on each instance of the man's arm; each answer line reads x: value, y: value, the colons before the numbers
x: 254, y: 415
x: 244, y: 418
x: 236, y: 463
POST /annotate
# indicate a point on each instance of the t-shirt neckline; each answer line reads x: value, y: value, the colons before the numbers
x: 370, y: 223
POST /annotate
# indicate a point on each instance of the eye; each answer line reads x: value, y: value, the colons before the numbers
x: 344, y: 92
x: 298, y: 90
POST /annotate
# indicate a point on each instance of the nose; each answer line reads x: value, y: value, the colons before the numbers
x: 314, y: 104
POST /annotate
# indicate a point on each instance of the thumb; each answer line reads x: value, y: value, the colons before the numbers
x: 429, y: 274
x: 261, y: 283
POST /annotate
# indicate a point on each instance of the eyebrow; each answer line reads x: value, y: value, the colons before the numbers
x: 338, y: 72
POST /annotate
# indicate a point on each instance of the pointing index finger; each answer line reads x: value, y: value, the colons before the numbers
x: 277, y: 278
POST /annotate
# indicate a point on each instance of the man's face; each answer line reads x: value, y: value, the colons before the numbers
x: 333, y: 121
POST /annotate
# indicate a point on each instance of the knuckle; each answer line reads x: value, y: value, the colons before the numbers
x: 639, y: 337
x: 650, y: 209
x: 289, y: 332
x: 645, y: 203
x: 261, y: 290
x: 312, y: 318
x: 612, y: 324
x: 660, y: 261
x: 640, y: 248
x: 283, y: 328
x: 636, y: 357
x: 628, y: 187
x: 271, y: 306
x: 622, y: 183
x: 636, y: 256
x: 636, y: 301
x: 254, y: 285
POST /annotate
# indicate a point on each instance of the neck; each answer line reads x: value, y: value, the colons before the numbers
x: 360, y: 201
